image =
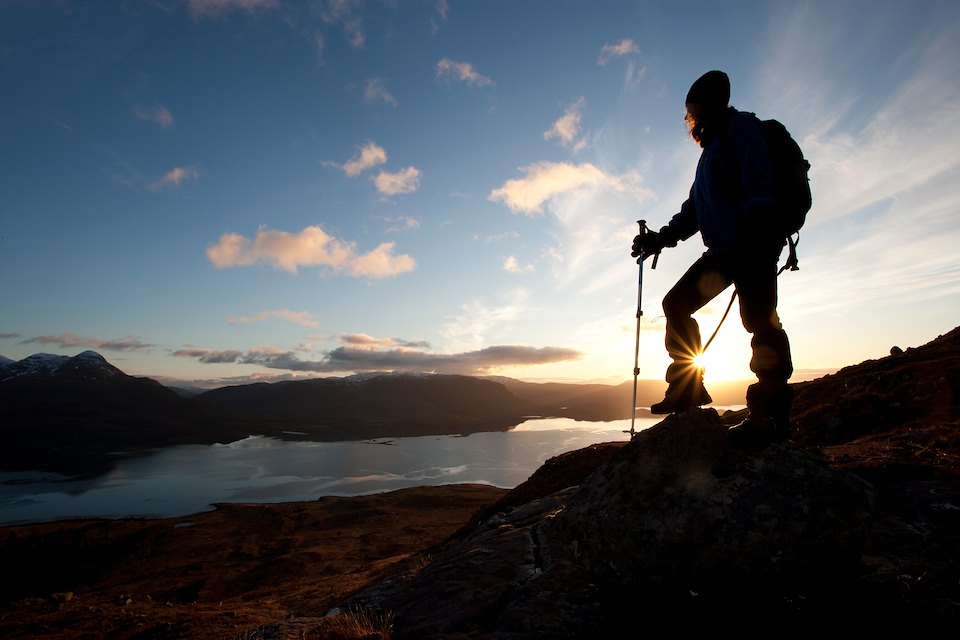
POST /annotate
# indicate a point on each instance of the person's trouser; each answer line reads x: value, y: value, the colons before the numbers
x: 755, y: 277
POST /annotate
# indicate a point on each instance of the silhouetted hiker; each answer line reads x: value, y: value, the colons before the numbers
x: 731, y: 204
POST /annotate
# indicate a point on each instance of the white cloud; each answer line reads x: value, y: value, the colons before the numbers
x: 302, y: 318
x: 567, y: 126
x: 512, y: 265
x: 376, y: 91
x: 404, y: 181
x: 367, y: 157
x: 622, y: 48
x: 463, y: 71
x: 308, y: 248
x: 174, y: 177
x: 157, y: 114
x: 546, y: 180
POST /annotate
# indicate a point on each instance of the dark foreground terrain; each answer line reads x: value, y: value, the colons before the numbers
x: 272, y: 571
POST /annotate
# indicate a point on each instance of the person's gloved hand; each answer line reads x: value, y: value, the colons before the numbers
x: 653, y: 242
x: 646, y: 244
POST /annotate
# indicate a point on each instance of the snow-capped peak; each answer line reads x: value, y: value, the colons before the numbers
x: 48, y: 364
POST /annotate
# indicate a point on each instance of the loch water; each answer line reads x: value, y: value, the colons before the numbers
x: 185, y: 480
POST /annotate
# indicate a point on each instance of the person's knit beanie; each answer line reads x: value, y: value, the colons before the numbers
x: 712, y: 89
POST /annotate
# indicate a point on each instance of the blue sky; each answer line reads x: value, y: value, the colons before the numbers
x: 220, y: 191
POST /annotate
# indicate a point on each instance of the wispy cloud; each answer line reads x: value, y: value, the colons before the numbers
x: 883, y: 222
x: 620, y: 49
x: 155, y: 114
x: 376, y: 91
x: 60, y: 123
x: 546, y: 180
x: 173, y: 178
x: 401, y: 223
x: 482, y: 323
x: 200, y: 9
x: 311, y: 247
x: 567, y: 126
x: 319, y: 44
x: 392, y: 184
x: 440, y: 16
x: 302, y: 318
x: 356, y: 35
x: 71, y: 340
x: 347, y: 14
x: 500, y: 237
x: 448, y: 69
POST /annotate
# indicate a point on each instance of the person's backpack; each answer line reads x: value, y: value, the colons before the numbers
x: 791, y: 183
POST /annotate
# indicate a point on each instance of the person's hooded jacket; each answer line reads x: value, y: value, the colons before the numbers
x: 731, y: 201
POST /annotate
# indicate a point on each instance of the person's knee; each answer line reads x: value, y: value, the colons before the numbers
x: 761, y: 325
x: 675, y: 306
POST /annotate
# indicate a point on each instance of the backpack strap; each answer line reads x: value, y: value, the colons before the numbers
x: 792, y: 263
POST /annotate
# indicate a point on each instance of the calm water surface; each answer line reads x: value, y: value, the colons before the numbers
x: 185, y: 480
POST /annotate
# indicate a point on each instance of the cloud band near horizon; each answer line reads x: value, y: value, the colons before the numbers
x: 353, y: 359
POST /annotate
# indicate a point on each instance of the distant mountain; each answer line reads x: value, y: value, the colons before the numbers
x: 375, y: 405
x: 72, y: 413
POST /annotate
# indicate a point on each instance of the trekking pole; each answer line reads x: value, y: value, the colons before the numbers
x: 636, y: 347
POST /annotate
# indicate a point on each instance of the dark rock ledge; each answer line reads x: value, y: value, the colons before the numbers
x: 678, y: 525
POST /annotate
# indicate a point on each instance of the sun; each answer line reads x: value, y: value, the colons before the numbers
x: 725, y: 361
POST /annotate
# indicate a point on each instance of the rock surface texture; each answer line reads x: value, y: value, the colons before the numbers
x: 676, y: 517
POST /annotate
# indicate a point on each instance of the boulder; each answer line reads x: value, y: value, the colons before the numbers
x: 676, y: 517
x: 682, y: 507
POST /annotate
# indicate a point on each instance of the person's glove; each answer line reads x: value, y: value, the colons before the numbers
x: 646, y: 244
x: 653, y: 242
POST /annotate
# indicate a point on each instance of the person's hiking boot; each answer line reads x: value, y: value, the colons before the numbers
x: 681, y: 396
x: 769, y: 418
x: 755, y: 430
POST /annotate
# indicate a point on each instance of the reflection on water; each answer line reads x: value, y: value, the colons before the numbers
x: 189, y: 479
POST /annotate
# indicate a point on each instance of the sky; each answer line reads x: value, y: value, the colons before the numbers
x: 215, y: 192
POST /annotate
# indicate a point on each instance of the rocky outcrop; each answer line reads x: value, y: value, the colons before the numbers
x: 678, y: 518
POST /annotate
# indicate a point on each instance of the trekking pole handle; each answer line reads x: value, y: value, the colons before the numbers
x: 643, y: 231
